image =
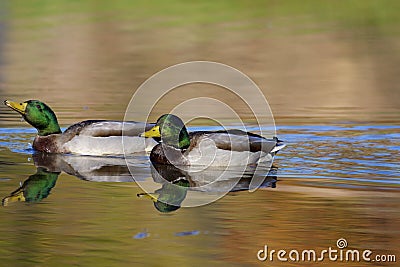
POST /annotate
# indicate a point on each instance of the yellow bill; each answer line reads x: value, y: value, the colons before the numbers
x: 153, y: 132
x: 147, y: 195
x: 19, y: 107
x: 15, y: 197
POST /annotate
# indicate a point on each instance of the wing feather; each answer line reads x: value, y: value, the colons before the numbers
x: 104, y: 128
x: 235, y: 140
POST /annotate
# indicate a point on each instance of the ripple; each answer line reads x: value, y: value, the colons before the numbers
x: 345, y: 153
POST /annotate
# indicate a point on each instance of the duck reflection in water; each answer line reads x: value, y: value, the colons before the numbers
x: 170, y: 196
x: 49, y: 166
x: 35, y: 188
x: 176, y: 183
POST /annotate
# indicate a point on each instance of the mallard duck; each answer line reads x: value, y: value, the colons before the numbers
x: 91, y: 137
x: 208, y: 148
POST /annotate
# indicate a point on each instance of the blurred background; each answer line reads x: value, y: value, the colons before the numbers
x: 329, y: 69
x: 315, y: 61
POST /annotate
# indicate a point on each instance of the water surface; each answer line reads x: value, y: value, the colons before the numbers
x: 328, y: 71
x: 332, y: 182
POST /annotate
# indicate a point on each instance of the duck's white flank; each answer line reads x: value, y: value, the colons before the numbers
x: 207, y: 154
x: 111, y: 145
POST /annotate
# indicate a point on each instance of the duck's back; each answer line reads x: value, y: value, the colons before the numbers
x: 228, y: 148
x: 235, y: 140
x: 101, y: 137
x: 105, y: 128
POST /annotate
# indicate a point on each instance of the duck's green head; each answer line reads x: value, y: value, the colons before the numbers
x: 170, y: 196
x: 35, y: 188
x: 171, y: 130
x: 37, y: 114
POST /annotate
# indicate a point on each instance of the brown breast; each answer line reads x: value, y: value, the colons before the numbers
x: 167, y: 155
x: 50, y: 144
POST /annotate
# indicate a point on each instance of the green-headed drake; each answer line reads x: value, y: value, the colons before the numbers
x: 208, y: 148
x: 91, y: 137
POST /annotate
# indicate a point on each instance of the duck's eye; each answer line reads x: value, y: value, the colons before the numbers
x: 39, y: 107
